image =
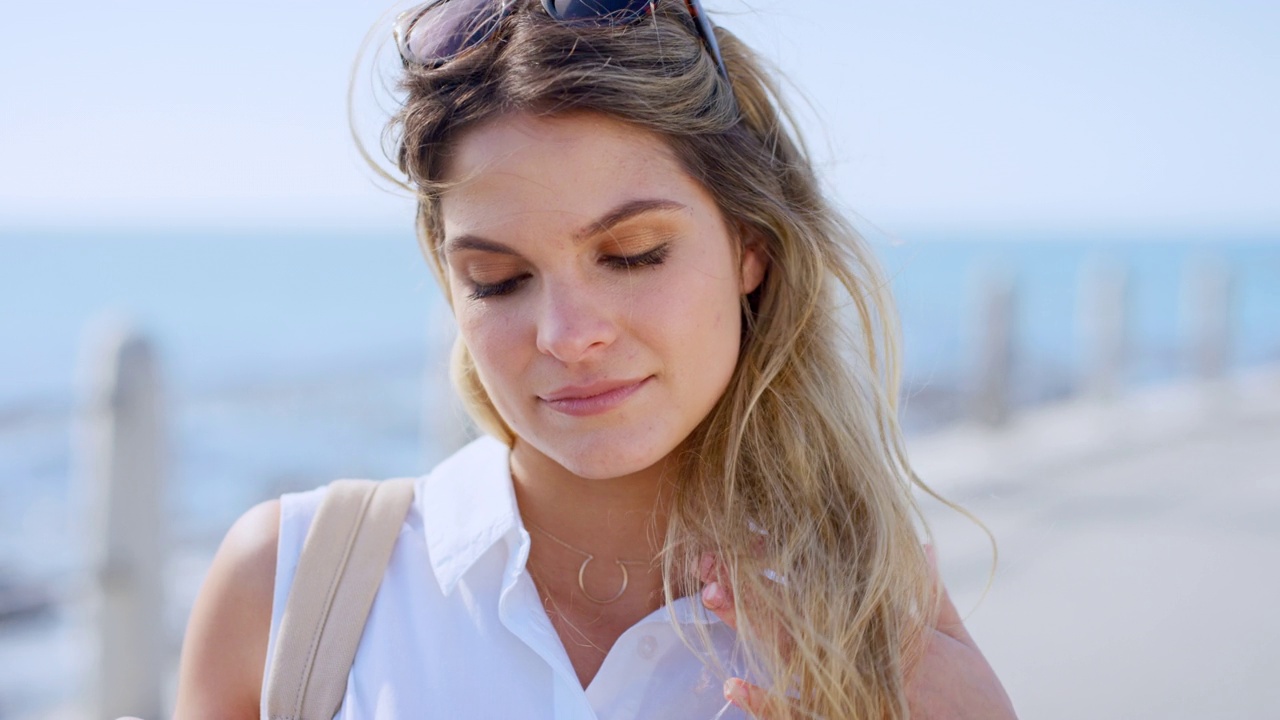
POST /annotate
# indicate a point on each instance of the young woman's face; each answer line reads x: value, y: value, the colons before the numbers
x: 596, y: 285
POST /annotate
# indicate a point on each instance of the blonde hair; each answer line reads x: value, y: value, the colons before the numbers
x: 798, y: 478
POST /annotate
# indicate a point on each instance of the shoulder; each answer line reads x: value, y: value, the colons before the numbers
x: 248, y: 553
x: 253, y: 537
x: 225, y: 648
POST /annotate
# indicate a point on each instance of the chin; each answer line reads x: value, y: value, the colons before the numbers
x: 593, y: 457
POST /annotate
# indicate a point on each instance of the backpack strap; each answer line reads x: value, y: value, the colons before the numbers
x: 343, y: 559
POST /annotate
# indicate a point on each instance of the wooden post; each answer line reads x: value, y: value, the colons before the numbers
x: 1207, y: 304
x: 995, y: 348
x: 1104, y: 328
x: 122, y: 449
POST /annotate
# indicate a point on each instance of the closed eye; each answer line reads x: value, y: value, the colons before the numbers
x: 655, y: 256
x: 480, y: 291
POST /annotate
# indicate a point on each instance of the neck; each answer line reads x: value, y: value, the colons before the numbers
x: 623, y: 516
x: 614, y: 519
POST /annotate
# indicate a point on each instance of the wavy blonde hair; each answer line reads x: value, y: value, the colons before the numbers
x: 798, y: 478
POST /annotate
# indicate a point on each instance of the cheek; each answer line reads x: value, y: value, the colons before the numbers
x: 702, y: 321
x: 493, y: 339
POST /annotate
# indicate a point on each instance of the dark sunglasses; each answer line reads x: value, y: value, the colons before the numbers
x: 440, y: 30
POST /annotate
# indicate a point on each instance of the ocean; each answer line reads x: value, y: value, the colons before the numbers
x: 293, y: 359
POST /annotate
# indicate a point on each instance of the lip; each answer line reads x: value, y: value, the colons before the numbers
x: 593, y: 399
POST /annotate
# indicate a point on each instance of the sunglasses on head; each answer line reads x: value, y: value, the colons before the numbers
x: 438, y: 31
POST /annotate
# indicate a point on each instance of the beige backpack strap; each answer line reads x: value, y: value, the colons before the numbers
x: 343, y: 560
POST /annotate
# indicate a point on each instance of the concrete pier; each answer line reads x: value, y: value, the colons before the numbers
x: 1139, y: 551
x: 1138, y: 574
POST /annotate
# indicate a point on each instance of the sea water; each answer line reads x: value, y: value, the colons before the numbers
x: 292, y: 359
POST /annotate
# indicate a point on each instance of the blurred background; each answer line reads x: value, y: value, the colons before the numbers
x: 207, y: 298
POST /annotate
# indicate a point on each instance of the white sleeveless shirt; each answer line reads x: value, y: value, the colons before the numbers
x: 458, y: 631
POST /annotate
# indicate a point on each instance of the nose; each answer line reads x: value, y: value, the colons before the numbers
x: 574, y: 323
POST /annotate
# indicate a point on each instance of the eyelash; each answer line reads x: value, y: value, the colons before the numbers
x: 649, y: 258
x: 655, y: 256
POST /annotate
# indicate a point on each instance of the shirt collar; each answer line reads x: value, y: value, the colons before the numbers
x: 467, y: 504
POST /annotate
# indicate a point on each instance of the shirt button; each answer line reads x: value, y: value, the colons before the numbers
x: 648, y: 646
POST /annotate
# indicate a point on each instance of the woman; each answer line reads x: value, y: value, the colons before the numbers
x: 650, y: 291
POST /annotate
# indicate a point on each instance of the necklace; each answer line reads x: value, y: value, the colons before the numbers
x: 582, y: 569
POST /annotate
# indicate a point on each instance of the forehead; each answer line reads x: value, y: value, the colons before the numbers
x: 579, y: 164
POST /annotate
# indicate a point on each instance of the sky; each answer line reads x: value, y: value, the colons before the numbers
x: 1050, y: 116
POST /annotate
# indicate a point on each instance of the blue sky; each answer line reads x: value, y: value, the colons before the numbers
x: 1052, y: 115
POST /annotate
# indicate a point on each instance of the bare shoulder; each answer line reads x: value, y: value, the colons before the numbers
x: 225, y: 648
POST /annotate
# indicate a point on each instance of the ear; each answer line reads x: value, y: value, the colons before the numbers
x: 755, y: 260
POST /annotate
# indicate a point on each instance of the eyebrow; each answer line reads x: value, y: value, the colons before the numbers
x: 601, y: 225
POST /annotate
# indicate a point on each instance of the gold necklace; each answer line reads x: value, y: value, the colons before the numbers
x: 582, y: 569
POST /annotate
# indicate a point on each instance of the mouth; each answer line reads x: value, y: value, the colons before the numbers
x: 593, y: 399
